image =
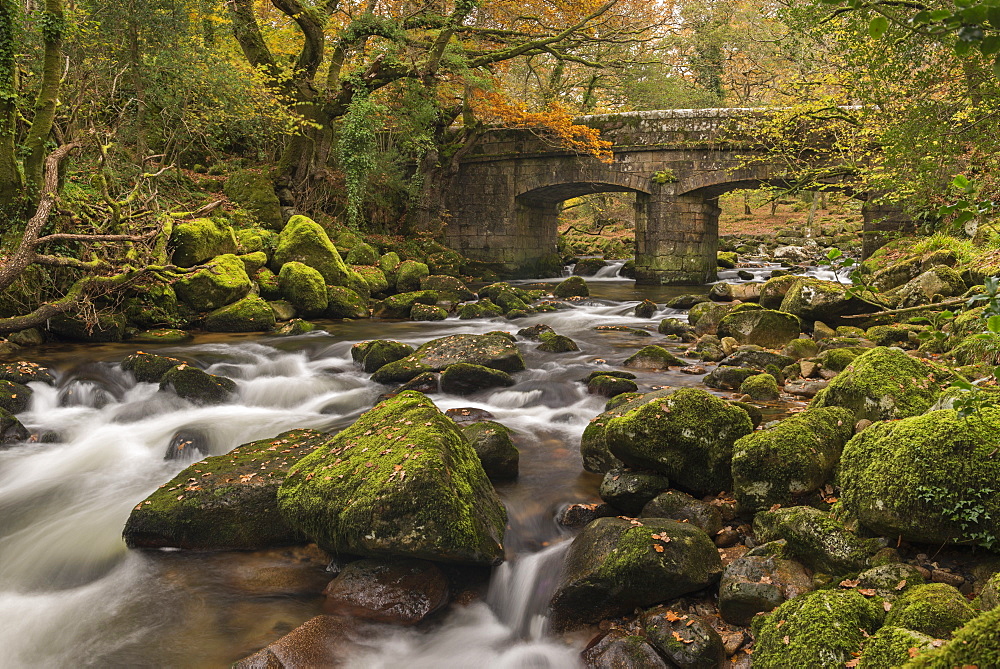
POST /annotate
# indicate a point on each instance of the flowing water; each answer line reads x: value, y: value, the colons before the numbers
x: 72, y: 595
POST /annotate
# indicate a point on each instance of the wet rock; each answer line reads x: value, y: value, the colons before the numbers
x: 398, y: 592
x: 400, y: 306
x: 675, y: 505
x: 225, y: 502
x: 630, y: 490
x: 816, y: 538
x: 295, y: 327
x: 791, y: 459
x: 322, y: 641
x: 610, y: 386
x: 401, y: 481
x: 492, y: 350
x: 934, y: 609
x: 763, y: 327
x: 615, y: 565
x: 686, y: 301
x: 251, y: 314
x: 645, y: 309
x: 891, y: 580
x: 187, y: 444
x: 685, y: 640
x: 465, y: 379
x: 162, y: 336
x: 653, y: 357
x: 24, y: 372
x: 692, y: 369
x: 907, y: 477
x: 147, y: 367
x: 618, y: 649
x: 760, y: 387
x: 580, y: 515
x: 688, y: 436
x: 729, y: 292
x: 376, y: 353
x: 29, y: 337
x: 11, y: 429
x: 589, y: 266
x: 756, y: 359
x: 495, y: 448
x: 107, y: 327
x: 885, y: 384
x: 14, y: 398
x: 535, y: 332
x: 726, y: 259
x: 428, y: 382
x: 756, y: 584
x: 709, y: 349
x: 556, y: 343
x: 800, y: 348
x: 197, y: 386
x: 574, y: 286
x: 818, y: 629
x: 805, y: 388
x: 468, y: 415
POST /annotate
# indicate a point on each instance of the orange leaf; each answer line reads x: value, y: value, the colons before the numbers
x: 848, y: 583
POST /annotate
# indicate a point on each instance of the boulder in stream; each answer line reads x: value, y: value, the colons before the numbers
x: 653, y: 357
x: 222, y: 281
x: 196, y: 385
x: 377, y: 353
x: 149, y: 367
x: 322, y: 641
x: 24, y: 372
x: 574, y: 286
x: 304, y: 287
x: 305, y: 241
x: 493, y: 349
x: 763, y: 327
x: 495, y: 448
x: 14, y: 397
x: 816, y: 538
x: 398, y: 592
x: 11, y: 429
x: 465, y: 379
x: 251, y: 314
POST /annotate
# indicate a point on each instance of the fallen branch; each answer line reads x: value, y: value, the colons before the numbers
x: 907, y: 310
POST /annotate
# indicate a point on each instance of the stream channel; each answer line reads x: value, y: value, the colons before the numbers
x: 72, y: 595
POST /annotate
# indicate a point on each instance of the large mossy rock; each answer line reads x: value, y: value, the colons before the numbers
x: 976, y: 644
x: 574, y: 286
x: 706, y: 316
x: 11, y: 429
x: 254, y: 191
x: 493, y: 350
x: 615, y: 565
x: 148, y: 367
x: 400, y: 306
x: 818, y: 630
x: 495, y: 448
x: 791, y: 459
x: 304, y: 287
x: 465, y: 379
x: 225, y: 502
x: 885, y: 384
x: 761, y: 327
x: 653, y: 357
x: 816, y: 538
x: 303, y: 240
x: 23, y: 372
x: 199, y: 240
x: 251, y: 314
x: 774, y: 290
x: 377, y: 282
x: 630, y: 490
x: 891, y: 647
x: 597, y: 457
x: 687, y: 435
x: 819, y: 300
x: 223, y: 281
x: 409, y: 274
x: 363, y: 254
x: 930, y: 478
x: 345, y: 303
x: 447, y: 285
x: 197, y: 385
x: 755, y: 584
x: 931, y: 286
x: 377, y: 353
x: 402, y: 481
x: 934, y: 609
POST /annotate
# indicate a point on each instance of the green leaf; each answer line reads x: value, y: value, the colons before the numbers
x: 878, y: 27
x: 993, y: 16
x: 990, y: 45
x: 939, y: 15
x: 993, y: 323
x: 960, y: 181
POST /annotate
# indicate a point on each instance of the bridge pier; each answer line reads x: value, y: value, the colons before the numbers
x: 676, y: 239
x: 881, y: 223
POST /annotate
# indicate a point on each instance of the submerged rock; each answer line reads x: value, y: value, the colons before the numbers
x: 401, y: 481
x: 398, y: 592
x: 225, y: 502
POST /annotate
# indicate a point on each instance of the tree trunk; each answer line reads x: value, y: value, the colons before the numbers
x: 11, y: 186
x: 48, y: 96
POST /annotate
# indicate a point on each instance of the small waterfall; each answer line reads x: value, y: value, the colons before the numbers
x: 521, y: 590
x: 609, y: 272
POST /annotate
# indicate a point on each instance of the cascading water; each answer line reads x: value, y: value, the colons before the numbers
x: 71, y: 594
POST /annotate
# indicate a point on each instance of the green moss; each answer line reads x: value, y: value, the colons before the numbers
x: 162, y: 336
x: 304, y: 287
x: 819, y: 300
x: 147, y: 367
x: 893, y: 335
x: 402, y: 480
x: 400, y: 306
x: 199, y: 240
x: 196, y: 385
x: 774, y: 290
x: 726, y: 259
x: 610, y: 386
x: 449, y: 285
x: 839, y: 359
x: 375, y: 278
x: 254, y: 191
x: 345, y: 303
x: 687, y: 435
x: 427, y: 312
x: 762, y: 327
x: 977, y: 644
x: 303, y: 240
x: 493, y: 350
x: 388, y: 264
x: 251, y: 314
x: 556, y: 343
x: 989, y: 597
x: 791, y: 459
x: 267, y: 283
x: 495, y: 448
x: 480, y: 309
x: 574, y: 286
x: 817, y: 630
x: 379, y: 352
x: 224, y: 502
x: 816, y: 538
x: 363, y: 254
x: 935, y: 609
x: 884, y: 384
x: 223, y: 281
x: 24, y: 372
x: 252, y: 240
x: 14, y: 397
x: 408, y: 275
x: 155, y: 305
x: 890, y: 647
x: 253, y: 261
x: 110, y: 326
x: 597, y: 457
x: 930, y: 478
x: 761, y: 387
x: 653, y: 357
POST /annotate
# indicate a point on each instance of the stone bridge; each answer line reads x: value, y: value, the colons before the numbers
x: 506, y: 196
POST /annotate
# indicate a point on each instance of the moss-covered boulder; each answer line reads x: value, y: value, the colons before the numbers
x: 885, y: 384
x: 976, y: 644
x: 408, y: 275
x: 687, y: 435
x: 304, y: 287
x: 495, y: 448
x: 684, y: 508
x: 653, y: 357
x: 225, y: 502
x: 929, y: 478
x: 480, y: 309
x: 615, y: 565
x: 447, y: 285
x: 148, y: 367
x: 155, y: 305
x: 294, y: 327
x: 377, y: 282
x: 630, y: 490
x: 891, y: 647
x: 755, y: 584
x: 610, y: 386
x: 11, y: 429
x: 427, y: 313
x: 597, y: 457
x: 23, y: 371
x: 556, y: 343
x: 934, y: 609
x: 817, y: 630
x: 251, y: 314
x: 363, y: 254
x: 254, y: 191
x: 108, y: 326
x: 816, y: 538
x: 774, y: 290
x: 14, y: 397
x: 464, y: 379
x: 790, y: 460
x: 706, y: 316
x: 345, y: 303
x: 267, y: 284
x: 493, y: 350
x: 379, y: 352
x: 223, y: 281
x: 762, y: 327
x: 401, y: 481
x: 685, y: 640
x: 303, y: 240
x: 574, y: 286
x: 761, y: 387
x: 251, y: 240
x: 726, y: 259
x: 801, y: 348
x: 726, y: 377
x: 819, y: 300
x: 931, y: 286
x: 162, y: 336
x: 252, y: 262
x: 196, y: 385
x: 201, y: 239
x: 400, y: 306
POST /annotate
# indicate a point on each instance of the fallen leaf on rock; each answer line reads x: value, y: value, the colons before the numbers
x: 848, y: 583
